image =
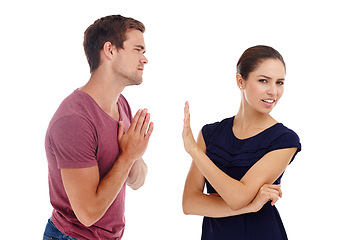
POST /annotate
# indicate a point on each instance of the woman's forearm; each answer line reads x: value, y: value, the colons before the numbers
x: 210, y: 206
x: 233, y: 192
x: 236, y: 194
x: 226, y: 186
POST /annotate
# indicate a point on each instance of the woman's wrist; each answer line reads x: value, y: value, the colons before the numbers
x: 195, y: 152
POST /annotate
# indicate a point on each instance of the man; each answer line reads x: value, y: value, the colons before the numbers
x: 93, y: 145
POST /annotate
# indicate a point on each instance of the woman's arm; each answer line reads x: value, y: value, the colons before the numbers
x: 195, y: 202
x: 237, y: 194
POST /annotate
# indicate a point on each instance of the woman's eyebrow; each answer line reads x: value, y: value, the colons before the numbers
x: 264, y: 76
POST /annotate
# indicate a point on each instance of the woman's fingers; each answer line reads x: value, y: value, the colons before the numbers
x: 272, y: 192
x: 186, y: 115
x: 186, y: 118
x: 188, y: 138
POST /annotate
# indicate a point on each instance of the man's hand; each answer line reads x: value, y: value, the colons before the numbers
x: 134, y: 142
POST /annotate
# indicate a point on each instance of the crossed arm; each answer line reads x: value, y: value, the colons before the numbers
x: 89, y: 197
x: 236, y: 197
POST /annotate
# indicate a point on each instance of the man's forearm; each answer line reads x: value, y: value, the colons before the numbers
x: 137, y: 174
x: 89, y: 197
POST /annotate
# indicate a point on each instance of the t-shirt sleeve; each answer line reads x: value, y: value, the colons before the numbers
x: 206, y: 132
x: 125, y: 106
x: 73, y: 142
x: 288, y: 139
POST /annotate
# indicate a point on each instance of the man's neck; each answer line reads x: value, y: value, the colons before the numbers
x: 105, y: 90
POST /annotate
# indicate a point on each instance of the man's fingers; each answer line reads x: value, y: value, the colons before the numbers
x: 150, y: 130
x: 121, y: 130
x: 140, y: 123
x: 145, y: 125
x: 135, y: 120
x: 141, y: 120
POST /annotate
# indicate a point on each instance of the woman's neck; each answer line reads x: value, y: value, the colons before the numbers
x: 249, y: 122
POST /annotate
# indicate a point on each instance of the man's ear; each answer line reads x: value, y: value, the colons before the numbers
x: 108, y: 50
x: 240, y: 81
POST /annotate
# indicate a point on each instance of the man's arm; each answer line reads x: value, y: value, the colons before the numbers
x: 89, y: 197
x: 137, y: 174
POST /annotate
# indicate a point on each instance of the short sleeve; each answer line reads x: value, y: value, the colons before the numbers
x: 125, y: 107
x: 207, y: 131
x: 288, y: 139
x: 73, y: 142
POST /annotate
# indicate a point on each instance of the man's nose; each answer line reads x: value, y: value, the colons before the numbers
x: 144, y: 60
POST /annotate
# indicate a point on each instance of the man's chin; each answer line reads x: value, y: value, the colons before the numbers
x: 135, y: 82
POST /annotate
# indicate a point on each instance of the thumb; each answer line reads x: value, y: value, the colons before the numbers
x: 121, y: 130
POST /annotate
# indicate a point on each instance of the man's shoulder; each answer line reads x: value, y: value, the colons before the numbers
x: 75, y: 105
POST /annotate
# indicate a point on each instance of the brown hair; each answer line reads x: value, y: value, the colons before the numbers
x: 253, y: 56
x: 107, y: 29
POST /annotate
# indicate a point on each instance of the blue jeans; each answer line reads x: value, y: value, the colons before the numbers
x: 51, y: 232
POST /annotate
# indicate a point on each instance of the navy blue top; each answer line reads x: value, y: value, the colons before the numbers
x: 235, y: 157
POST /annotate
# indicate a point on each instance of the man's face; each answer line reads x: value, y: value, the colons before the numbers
x: 129, y: 61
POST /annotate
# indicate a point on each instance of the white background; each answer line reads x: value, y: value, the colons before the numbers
x: 193, y: 48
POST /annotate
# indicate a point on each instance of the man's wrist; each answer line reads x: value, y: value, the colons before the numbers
x: 125, y: 160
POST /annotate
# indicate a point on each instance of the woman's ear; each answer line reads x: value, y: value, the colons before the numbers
x: 239, y: 81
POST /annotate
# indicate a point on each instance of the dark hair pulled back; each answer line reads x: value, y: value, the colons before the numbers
x: 253, y: 56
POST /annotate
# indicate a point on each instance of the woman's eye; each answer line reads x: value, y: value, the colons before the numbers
x: 280, y: 82
x: 263, y: 80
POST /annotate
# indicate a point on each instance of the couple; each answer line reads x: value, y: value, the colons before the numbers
x: 94, y: 146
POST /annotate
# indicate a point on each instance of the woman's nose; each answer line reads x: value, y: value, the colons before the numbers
x: 272, y: 90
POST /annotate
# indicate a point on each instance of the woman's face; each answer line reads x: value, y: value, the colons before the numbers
x: 264, y: 86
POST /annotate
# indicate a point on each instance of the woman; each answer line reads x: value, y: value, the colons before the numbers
x: 241, y: 157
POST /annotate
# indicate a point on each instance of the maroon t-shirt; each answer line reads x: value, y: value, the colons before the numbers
x: 82, y: 135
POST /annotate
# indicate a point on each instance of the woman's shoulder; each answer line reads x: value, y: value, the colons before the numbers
x: 210, y: 129
x: 280, y: 129
x: 218, y: 124
x: 281, y: 136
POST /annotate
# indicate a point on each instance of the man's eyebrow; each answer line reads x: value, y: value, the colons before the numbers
x: 140, y: 46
